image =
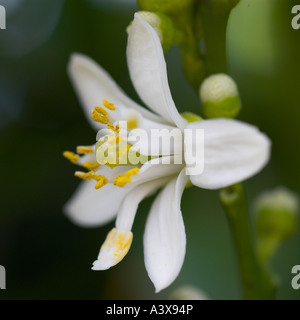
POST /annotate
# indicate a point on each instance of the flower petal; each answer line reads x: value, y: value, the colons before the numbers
x: 93, y: 84
x: 155, y: 169
x: 89, y: 207
x: 158, y: 142
x: 148, y: 71
x: 233, y: 152
x: 118, y: 241
x: 131, y: 202
x: 164, y: 238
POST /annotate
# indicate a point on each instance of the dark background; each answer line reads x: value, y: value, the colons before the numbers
x: 45, y: 255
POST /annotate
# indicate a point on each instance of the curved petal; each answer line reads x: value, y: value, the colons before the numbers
x: 148, y: 71
x: 158, y: 142
x: 155, y: 169
x: 131, y: 202
x: 164, y: 238
x: 89, y: 207
x: 93, y: 84
x: 233, y: 152
x: 118, y: 241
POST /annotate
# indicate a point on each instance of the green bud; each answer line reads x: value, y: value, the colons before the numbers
x: 163, y: 26
x: 220, y: 97
x: 276, y: 213
x: 191, y: 117
x: 166, y: 6
x: 276, y: 219
x: 188, y: 293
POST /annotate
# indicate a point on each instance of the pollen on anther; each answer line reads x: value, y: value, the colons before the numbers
x: 109, y: 105
x: 71, y: 156
x: 91, y: 165
x: 122, y: 180
x: 85, y: 150
x: 132, y: 172
x: 99, y: 117
x: 111, y: 127
x: 101, y: 111
x: 102, y: 182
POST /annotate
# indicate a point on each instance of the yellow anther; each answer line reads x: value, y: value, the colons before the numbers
x: 111, y: 127
x: 102, y: 182
x: 89, y: 176
x: 71, y: 156
x: 132, y: 123
x: 99, y: 118
x: 101, y: 111
x: 91, y: 165
x: 132, y: 172
x: 122, y: 180
x: 85, y: 150
x: 109, y: 105
x: 85, y: 175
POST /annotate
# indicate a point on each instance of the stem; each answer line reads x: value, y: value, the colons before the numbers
x: 256, y: 281
x: 215, y: 15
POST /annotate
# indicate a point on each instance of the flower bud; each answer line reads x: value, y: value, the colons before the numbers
x: 163, y: 26
x: 188, y: 293
x: 220, y: 97
x: 166, y: 6
x: 276, y: 219
x: 276, y: 213
x: 191, y: 117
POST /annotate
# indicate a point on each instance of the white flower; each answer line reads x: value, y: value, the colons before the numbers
x: 234, y: 151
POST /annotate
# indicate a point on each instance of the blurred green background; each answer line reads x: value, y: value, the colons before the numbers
x: 45, y: 255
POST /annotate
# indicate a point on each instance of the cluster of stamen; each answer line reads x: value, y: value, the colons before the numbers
x: 99, y: 114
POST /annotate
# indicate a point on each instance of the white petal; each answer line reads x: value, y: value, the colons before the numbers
x: 89, y: 207
x: 93, y: 84
x: 118, y: 241
x: 131, y: 202
x: 156, y: 169
x: 158, y: 142
x: 164, y: 238
x: 233, y: 151
x: 113, y: 250
x: 148, y: 71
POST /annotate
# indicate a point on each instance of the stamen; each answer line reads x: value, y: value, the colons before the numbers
x: 71, y: 156
x: 91, y: 165
x: 102, y: 111
x: 122, y: 180
x: 92, y: 175
x: 115, y: 129
x: 102, y: 182
x: 132, y: 172
x: 109, y: 105
x: 85, y: 175
x: 85, y: 150
x: 99, y: 118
